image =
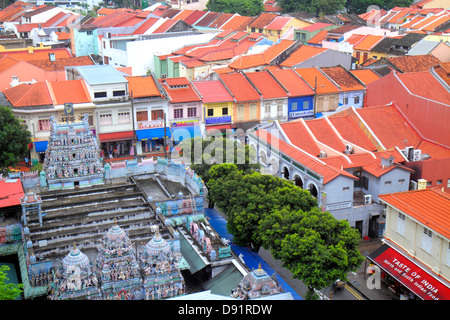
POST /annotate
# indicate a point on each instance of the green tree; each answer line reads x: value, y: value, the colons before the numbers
x: 247, y: 198
x: 243, y: 7
x: 318, y: 249
x: 14, y: 139
x: 202, y: 154
x: 312, y: 6
x: 8, y: 291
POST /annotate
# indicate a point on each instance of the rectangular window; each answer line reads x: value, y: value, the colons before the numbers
x: 105, y: 119
x: 142, y: 116
x: 305, y: 105
x: 401, y: 224
x: 387, y: 182
x: 252, y: 111
x: 210, y: 112
x: 448, y: 255
x: 118, y: 93
x: 44, y: 125
x: 124, y: 117
x: 427, y: 239
x: 448, y: 183
x: 100, y: 94
x: 438, y: 182
x: 267, y: 108
x: 178, y: 113
x: 192, y: 112
x: 345, y: 100
x: 224, y: 111
x: 240, y: 111
x: 159, y: 115
x: 346, y: 188
x: 356, y: 100
x: 294, y: 106
x: 401, y: 181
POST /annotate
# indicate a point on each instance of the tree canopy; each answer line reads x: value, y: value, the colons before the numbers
x: 312, y: 6
x: 14, y: 139
x: 268, y: 211
x: 8, y: 291
x: 243, y: 7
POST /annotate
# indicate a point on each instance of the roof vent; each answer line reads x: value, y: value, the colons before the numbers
x: 322, y: 154
x: 348, y: 149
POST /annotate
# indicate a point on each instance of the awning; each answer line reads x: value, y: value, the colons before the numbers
x: 187, y: 132
x: 409, y: 274
x: 222, y: 128
x: 116, y: 136
x: 152, y: 134
x: 40, y: 146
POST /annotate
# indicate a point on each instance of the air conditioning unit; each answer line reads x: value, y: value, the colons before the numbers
x: 417, y: 155
x: 163, y: 76
x: 348, y: 149
x: 322, y: 154
x: 367, y: 199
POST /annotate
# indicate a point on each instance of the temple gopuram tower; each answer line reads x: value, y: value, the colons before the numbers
x: 72, y: 157
x: 118, y: 268
x: 75, y: 280
x: 161, y: 269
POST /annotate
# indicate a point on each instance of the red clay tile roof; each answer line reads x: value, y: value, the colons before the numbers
x: 73, y: 91
x: 292, y: 82
x: 266, y: 84
x: 424, y: 84
x: 24, y: 95
x: 60, y: 64
x: 186, y: 93
x: 414, y: 63
x: 223, y: 18
x: 208, y: 19
x: 321, y: 168
x: 365, y: 75
x: 10, y: 193
x: 325, y: 134
x: 350, y: 131
x: 37, y: 54
x: 183, y: 14
x: 7, y: 62
x: 166, y: 25
x: 318, y: 38
x: 303, y: 53
x: 300, y: 137
x: 324, y: 85
x: 343, y: 78
x: 316, y: 26
x: 368, y: 42
x: 238, y: 23
x: 145, y: 26
x: 143, y: 87
x: 278, y: 23
x: 262, y: 20
x: 241, y: 89
x: 212, y: 91
x: 430, y: 207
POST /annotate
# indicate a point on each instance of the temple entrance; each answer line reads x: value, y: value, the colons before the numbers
x: 298, y: 181
x: 313, y: 190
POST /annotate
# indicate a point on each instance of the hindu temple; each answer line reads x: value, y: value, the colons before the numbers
x: 257, y: 284
x: 72, y: 157
x: 117, y: 266
x: 75, y: 278
x: 161, y: 264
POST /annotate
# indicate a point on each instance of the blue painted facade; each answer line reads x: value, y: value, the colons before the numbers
x: 300, y: 107
x: 85, y: 42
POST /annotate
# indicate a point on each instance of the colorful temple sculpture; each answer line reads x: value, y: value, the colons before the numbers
x: 117, y: 266
x: 31, y: 204
x: 72, y: 157
x: 161, y: 265
x: 257, y: 284
x: 75, y: 279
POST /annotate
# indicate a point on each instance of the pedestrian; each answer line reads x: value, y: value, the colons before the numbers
x: 27, y: 164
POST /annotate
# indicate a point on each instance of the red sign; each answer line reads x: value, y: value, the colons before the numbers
x: 411, y: 275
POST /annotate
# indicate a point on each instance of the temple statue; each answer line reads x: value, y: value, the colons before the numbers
x: 118, y: 268
x: 75, y: 280
x: 256, y: 284
x: 160, y: 265
x: 72, y: 156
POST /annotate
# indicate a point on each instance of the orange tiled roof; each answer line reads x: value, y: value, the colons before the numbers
x: 324, y: 85
x: 143, y: 87
x: 299, y: 136
x: 343, y: 78
x: 262, y: 20
x: 368, y: 42
x: 63, y: 35
x: 430, y: 207
x: 266, y: 84
x: 185, y: 93
x: 60, y: 64
x: 350, y: 131
x: 325, y: 134
x: 414, y: 63
x: 25, y: 95
x: 318, y: 38
x: 302, y: 53
x: 73, y: 91
x: 7, y: 62
x: 238, y: 23
x: 292, y: 82
x: 436, y: 23
x: 240, y: 87
x: 37, y: 54
x: 278, y: 23
x: 424, y: 84
x: 365, y: 75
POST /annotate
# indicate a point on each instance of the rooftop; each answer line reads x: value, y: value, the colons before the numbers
x: 303, y: 53
x: 240, y: 87
x: 266, y: 84
x: 10, y: 192
x: 292, y: 82
x: 262, y: 20
x: 179, y: 90
x: 430, y: 207
x: 100, y: 74
x: 143, y: 86
x: 343, y: 78
x: 424, y: 84
x: 212, y: 91
x: 324, y: 85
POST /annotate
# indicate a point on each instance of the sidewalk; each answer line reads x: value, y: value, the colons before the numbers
x: 358, y: 280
